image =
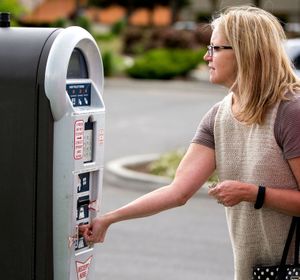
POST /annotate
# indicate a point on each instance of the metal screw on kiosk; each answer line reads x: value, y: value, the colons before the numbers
x: 52, y: 148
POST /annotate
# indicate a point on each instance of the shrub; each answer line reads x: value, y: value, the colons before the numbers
x: 118, y: 27
x: 62, y: 22
x: 113, y: 63
x: 107, y: 59
x: 103, y: 36
x: 165, y: 63
x: 133, y: 36
x: 83, y: 22
x: 167, y: 164
x: 137, y: 39
x: 182, y: 39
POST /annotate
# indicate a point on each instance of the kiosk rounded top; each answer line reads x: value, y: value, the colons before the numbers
x: 4, y: 19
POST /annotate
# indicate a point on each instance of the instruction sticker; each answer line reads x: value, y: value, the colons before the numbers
x: 101, y: 136
x: 82, y: 268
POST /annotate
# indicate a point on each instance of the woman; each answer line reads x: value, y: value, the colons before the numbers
x: 251, y: 137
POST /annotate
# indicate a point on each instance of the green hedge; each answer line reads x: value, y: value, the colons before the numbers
x: 167, y: 165
x: 165, y: 63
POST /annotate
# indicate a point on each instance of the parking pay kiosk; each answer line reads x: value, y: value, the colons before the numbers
x: 51, y: 147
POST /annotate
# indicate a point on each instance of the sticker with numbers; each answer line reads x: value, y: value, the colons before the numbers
x: 82, y: 268
x: 101, y: 136
x: 78, y: 139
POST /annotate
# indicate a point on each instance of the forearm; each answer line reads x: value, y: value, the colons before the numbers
x: 286, y: 201
x: 149, y: 204
x: 230, y: 193
x: 146, y: 205
x: 282, y: 200
x: 196, y: 166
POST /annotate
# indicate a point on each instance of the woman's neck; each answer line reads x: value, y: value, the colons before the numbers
x: 235, y: 106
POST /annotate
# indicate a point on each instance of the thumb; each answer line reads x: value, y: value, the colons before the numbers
x: 85, y: 231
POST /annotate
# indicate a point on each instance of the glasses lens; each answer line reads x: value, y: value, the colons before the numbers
x: 210, y: 50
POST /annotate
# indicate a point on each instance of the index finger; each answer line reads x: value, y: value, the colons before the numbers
x: 82, y: 228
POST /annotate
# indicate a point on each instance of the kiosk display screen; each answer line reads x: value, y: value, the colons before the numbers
x: 77, y: 68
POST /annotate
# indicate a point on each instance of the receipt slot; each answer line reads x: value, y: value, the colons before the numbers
x: 52, y: 137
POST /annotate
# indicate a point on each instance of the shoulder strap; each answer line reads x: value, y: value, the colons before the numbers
x: 288, y: 241
x: 297, y: 242
x: 281, y: 271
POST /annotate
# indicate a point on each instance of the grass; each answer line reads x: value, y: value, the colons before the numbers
x: 167, y: 164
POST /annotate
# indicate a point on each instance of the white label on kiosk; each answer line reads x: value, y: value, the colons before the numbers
x: 78, y: 139
x: 88, y: 141
x: 83, y: 269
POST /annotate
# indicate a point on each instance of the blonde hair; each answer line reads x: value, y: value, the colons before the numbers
x: 264, y: 71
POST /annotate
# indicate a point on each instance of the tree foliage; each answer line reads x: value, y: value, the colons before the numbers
x: 131, y: 5
x: 14, y: 8
x: 11, y: 6
x: 139, y: 3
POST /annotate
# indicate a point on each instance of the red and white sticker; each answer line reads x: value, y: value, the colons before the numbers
x: 82, y: 268
x: 94, y: 205
x: 74, y: 238
x: 71, y: 241
x: 78, y: 139
x: 101, y: 136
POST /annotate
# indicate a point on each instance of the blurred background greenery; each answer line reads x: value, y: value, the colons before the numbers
x: 166, y: 165
x: 149, y: 39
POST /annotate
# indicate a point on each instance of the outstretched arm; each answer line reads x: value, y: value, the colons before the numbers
x: 195, y: 168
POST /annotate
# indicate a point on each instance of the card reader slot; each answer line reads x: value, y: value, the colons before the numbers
x: 80, y: 242
x: 83, y: 207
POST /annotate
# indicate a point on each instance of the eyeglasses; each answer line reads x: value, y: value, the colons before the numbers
x: 212, y: 48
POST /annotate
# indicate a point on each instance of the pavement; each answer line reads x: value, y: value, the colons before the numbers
x: 144, y: 119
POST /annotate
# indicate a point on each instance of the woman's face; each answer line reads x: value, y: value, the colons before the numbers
x: 222, y: 64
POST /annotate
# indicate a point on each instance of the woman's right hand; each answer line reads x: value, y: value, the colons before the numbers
x: 95, y: 231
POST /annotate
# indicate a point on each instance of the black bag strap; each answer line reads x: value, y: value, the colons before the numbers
x: 297, y: 242
x: 295, y: 227
x: 288, y: 242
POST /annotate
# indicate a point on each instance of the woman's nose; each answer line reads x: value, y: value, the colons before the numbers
x: 207, y: 57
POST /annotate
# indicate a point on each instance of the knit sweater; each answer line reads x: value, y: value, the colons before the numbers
x: 249, y: 153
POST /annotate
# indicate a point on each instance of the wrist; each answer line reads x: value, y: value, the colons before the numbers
x: 106, y: 219
x: 251, y: 193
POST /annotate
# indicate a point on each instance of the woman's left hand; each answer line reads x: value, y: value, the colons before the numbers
x: 230, y: 193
